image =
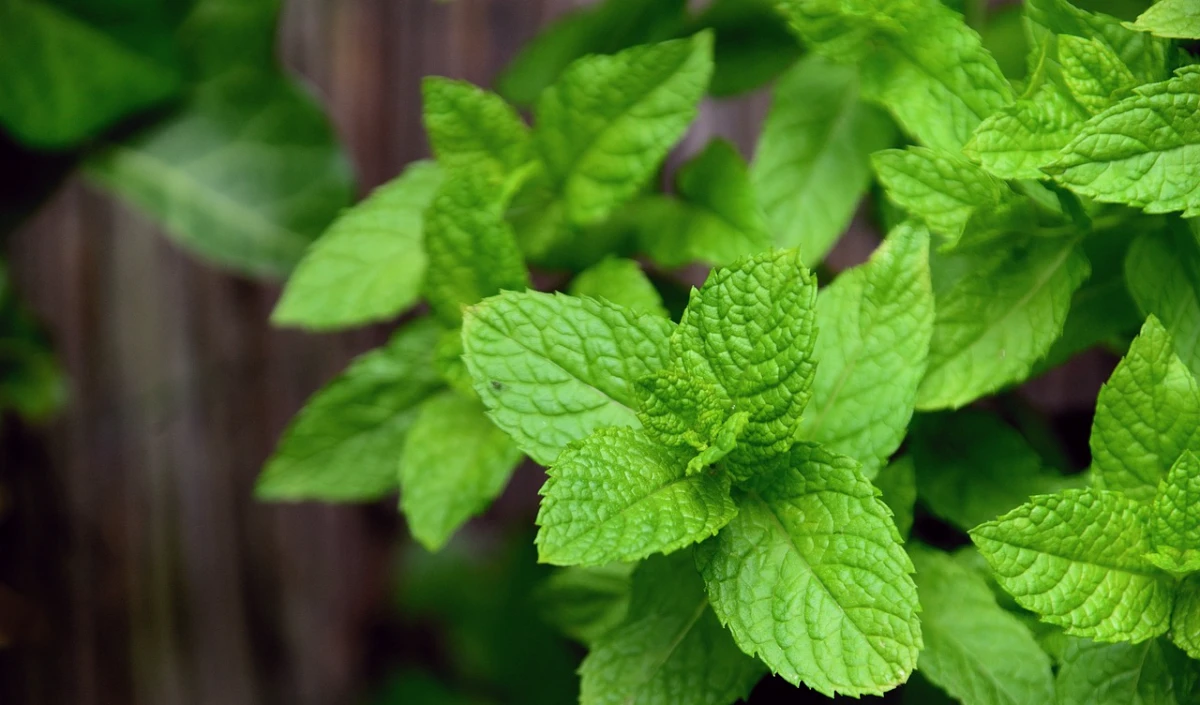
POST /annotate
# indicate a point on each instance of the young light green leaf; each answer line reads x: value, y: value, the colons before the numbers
x: 1076, y: 559
x: 345, y: 443
x: 1175, y: 532
x: 1185, y: 619
x: 470, y: 128
x: 192, y: 173
x: 609, y: 121
x: 1092, y: 72
x: 978, y: 652
x: 622, y: 282
x: 1144, y: 151
x: 897, y: 484
x: 992, y: 326
x: 811, y: 578
x: 875, y: 324
x: 1146, y: 415
x: 1173, y: 19
x: 454, y: 463
x: 1015, y: 142
x: 618, y: 495
x: 472, y: 251
x: 723, y: 443
x: 811, y: 166
x: 1146, y: 56
x: 586, y: 602
x: 370, y: 264
x: 680, y: 409
x: 749, y: 331
x: 1095, y: 673
x: 716, y: 218
x: 670, y: 648
x: 1162, y: 270
x: 972, y: 467
x: 552, y: 369
x: 950, y: 194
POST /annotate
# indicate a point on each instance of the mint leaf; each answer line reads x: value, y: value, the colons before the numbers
x: 670, y: 648
x: 749, y: 332
x: 1145, y: 56
x: 972, y: 467
x: 585, y: 602
x: 875, y: 324
x: 1076, y: 559
x: 1175, y: 19
x: 345, y: 443
x: 810, y: 577
x: 622, y: 282
x: 716, y: 218
x: 993, y: 325
x: 1176, y: 528
x: 369, y: 265
x: 470, y: 128
x: 454, y: 463
x: 608, y: 121
x: 897, y: 484
x: 974, y: 649
x: 552, y: 369
x: 950, y: 194
x: 1146, y: 415
x: 1015, y: 142
x: 1185, y: 620
x: 1092, y: 72
x: 811, y: 166
x: 617, y: 495
x: 753, y: 44
x: 1094, y: 673
x: 1162, y: 270
x: 472, y: 251
x: 1141, y: 151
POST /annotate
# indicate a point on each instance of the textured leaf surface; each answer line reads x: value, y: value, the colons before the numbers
x: 1015, y: 142
x: 470, y: 128
x: 608, y: 121
x: 1146, y: 56
x: 472, y: 251
x: 670, y: 648
x: 1092, y: 72
x: 1176, y: 19
x: 454, y: 463
x: 811, y: 578
x: 370, y: 264
x: 1146, y: 415
x: 1176, y: 528
x: 1162, y: 270
x: 1076, y: 559
x: 993, y: 325
x: 619, y: 495
x: 975, y: 650
x: 716, y: 218
x: 246, y: 175
x: 1094, y: 673
x: 1144, y: 151
x: 1185, y: 620
x: 749, y: 331
x: 551, y: 369
x: 875, y: 324
x: 811, y: 166
x: 346, y: 442
x: 622, y: 282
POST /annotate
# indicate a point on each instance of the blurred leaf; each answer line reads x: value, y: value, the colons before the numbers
x: 412, y: 687
x: 31, y: 382
x: 586, y: 602
x: 219, y: 36
x: 753, y: 44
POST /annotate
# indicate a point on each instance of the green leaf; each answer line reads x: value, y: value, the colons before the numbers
x: 1142, y: 151
x: 1146, y: 415
x: 1145, y: 56
x: 811, y: 167
x: 470, y: 128
x: 1076, y: 559
x: 246, y: 175
x: 622, y: 282
x: 753, y: 44
x: 950, y: 194
x: 345, y: 443
x: 604, y: 28
x: 1175, y: 19
x: 995, y: 324
x: 608, y: 122
x: 1185, y: 620
x: 749, y: 332
x: 552, y: 369
x: 472, y: 251
x: 974, y: 649
x: 618, y: 495
x: 670, y: 648
x: 222, y: 36
x: 1015, y: 142
x: 972, y: 467
x: 69, y: 76
x: 1092, y: 72
x: 1175, y: 532
x: 585, y: 602
x: 1094, y: 673
x: 454, y: 463
x: 680, y: 409
x: 811, y: 578
x: 898, y: 484
x: 875, y: 324
x: 716, y: 218
x: 370, y: 264
x: 1162, y: 270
